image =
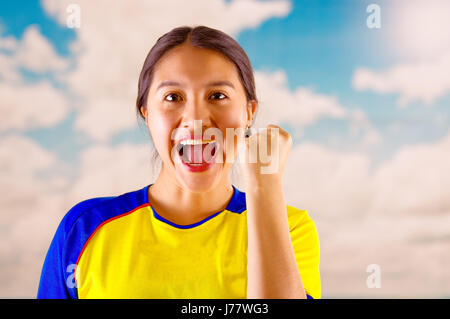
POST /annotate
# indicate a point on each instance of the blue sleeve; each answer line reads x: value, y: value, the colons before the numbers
x: 57, y: 278
x: 52, y: 284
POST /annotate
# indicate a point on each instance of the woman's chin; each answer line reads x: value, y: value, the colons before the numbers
x: 199, y: 181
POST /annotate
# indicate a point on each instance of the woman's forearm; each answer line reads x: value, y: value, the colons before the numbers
x: 271, y: 268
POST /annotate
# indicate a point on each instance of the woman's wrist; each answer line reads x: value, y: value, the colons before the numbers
x: 262, y: 182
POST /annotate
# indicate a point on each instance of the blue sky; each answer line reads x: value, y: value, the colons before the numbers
x: 16, y: 18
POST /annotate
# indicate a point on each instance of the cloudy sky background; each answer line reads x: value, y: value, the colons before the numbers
x: 368, y: 110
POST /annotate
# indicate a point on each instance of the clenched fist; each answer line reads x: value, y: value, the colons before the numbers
x: 265, y: 154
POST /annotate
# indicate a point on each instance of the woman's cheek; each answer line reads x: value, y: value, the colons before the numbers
x: 161, y: 131
x: 229, y: 129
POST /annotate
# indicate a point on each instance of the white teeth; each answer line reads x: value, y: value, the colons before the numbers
x: 196, y: 142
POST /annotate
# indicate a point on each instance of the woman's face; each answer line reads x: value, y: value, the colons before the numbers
x: 185, y: 88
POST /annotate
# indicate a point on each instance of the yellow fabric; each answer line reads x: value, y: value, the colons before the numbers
x: 139, y: 256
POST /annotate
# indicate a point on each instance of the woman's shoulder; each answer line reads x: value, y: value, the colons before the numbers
x: 298, y: 217
x: 82, y: 209
x: 103, y: 208
x: 303, y: 230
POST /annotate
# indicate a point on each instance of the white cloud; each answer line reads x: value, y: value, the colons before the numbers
x: 304, y: 107
x: 333, y: 184
x: 115, y: 38
x: 359, y: 123
x: 301, y: 108
x: 30, y: 211
x: 8, y: 43
x: 250, y: 13
x: 30, y: 106
x: 28, y: 176
x: 8, y: 71
x: 27, y: 106
x: 396, y: 215
x: 33, y: 52
x: 36, y: 53
x: 412, y: 252
x: 230, y: 17
x: 328, y: 183
x: 109, y: 171
x: 104, y: 116
x: 415, y: 181
x: 417, y: 28
x: 20, y: 159
x: 421, y: 81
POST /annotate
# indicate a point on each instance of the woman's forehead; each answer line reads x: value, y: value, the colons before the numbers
x: 187, y: 64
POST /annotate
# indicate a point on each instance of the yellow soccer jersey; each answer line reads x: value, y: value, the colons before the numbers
x: 119, y: 247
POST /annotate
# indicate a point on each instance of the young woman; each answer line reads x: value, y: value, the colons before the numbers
x: 192, y: 234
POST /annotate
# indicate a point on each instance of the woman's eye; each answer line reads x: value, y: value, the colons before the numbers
x: 219, y: 96
x: 172, y: 97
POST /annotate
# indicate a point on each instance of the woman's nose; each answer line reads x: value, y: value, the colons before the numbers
x: 196, y: 111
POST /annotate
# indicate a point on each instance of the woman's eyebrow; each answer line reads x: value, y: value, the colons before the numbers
x: 220, y: 83
x: 167, y: 83
x: 215, y: 83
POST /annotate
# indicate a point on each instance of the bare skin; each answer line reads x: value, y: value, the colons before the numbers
x: 272, y: 269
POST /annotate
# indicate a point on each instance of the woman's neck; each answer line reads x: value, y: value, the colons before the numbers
x: 184, y: 207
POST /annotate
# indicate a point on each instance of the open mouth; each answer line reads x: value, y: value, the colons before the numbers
x: 197, y: 153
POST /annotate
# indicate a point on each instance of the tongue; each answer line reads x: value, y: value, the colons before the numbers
x: 194, y: 153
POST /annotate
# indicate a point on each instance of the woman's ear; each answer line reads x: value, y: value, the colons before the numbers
x: 252, y: 106
x: 143, y: 111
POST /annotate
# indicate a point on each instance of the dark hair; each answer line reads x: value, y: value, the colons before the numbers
x: 202, y: 37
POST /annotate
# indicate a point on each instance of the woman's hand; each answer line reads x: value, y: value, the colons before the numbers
x: 265, y: 154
